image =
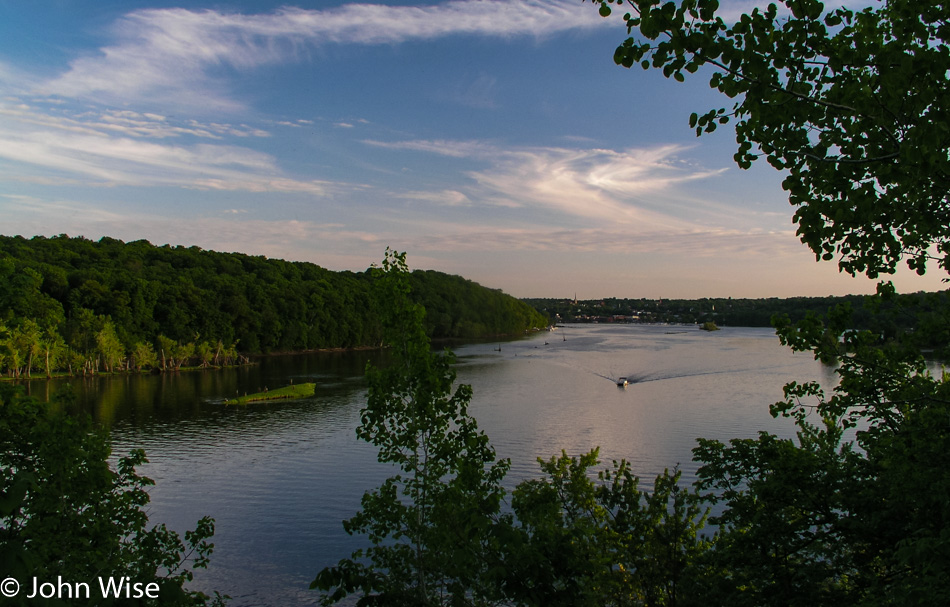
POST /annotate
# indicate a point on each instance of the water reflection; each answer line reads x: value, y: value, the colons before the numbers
x: 280, y: 476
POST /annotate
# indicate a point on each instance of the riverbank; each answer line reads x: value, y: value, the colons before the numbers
x: 119, y: 373
x: 254, y: 358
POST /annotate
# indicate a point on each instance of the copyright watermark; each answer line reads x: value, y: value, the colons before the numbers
x: 107, y: 587
x: 9, y: 587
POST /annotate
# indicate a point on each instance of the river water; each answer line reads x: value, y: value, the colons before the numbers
x: 279, y: 477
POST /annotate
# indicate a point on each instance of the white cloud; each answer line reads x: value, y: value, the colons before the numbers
x: 262, y: 184
x: 15, y: 81
x: 171, y: 55
x: 713, y: 242
x: 121, y: 147
x: 450, y: 198
x: 603, y: 186
x: 94, y: 159
x: 119, y: 122
x: 455, y: 149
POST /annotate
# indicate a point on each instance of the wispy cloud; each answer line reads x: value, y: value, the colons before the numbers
x: 592, y: 183
x: 15, y: 81
x: 455, y: 149
x: 171, y: 56
x: 450, y: 198
x: 94, y: 159
x: 118, y: 122
x: 604, y: 186
x: 480, y: 93
x: 713, y: 242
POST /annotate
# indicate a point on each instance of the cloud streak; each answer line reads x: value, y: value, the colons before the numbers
x: 713, y: 242
x: 107, y: 161
x: 172, y: 55
x: 122, y: 122
x: 597, y: 185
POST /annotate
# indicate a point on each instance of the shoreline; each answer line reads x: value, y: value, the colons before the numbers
x: 438, y: 341
x: 151, y: 371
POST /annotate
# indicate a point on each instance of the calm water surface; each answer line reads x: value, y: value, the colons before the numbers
x: 279, y: 477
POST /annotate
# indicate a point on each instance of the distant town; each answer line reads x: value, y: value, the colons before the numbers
x: 722, y: 311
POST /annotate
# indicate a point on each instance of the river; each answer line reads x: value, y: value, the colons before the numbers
x: 279, y: 477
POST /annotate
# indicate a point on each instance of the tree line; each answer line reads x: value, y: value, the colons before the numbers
x: 79, y: 306
x: 889, y: 318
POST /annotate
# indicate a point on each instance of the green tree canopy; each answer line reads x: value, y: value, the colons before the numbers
x: 852, y: 104
x: 109, y: 300
x: 64, y: 512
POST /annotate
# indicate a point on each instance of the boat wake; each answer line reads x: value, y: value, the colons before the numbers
x: 635, y: 378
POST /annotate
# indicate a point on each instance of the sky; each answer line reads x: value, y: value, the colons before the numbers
x: 494, y: 139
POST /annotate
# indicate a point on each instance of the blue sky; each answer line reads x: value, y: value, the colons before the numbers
x: 494, y: 139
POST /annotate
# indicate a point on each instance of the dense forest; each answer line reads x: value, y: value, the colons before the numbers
x: 80, y: 306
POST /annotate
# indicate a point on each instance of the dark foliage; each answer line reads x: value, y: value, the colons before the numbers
x: 65, y: 514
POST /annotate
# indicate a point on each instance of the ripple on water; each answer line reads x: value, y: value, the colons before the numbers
x: 279, y: 477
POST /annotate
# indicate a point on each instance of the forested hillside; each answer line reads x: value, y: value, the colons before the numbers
x: 83, y: 306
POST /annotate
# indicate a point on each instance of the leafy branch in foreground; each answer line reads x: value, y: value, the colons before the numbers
x: 64, y: 513
x: 852, y: 104
x: 577, y: 542
x: 851, y: 511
